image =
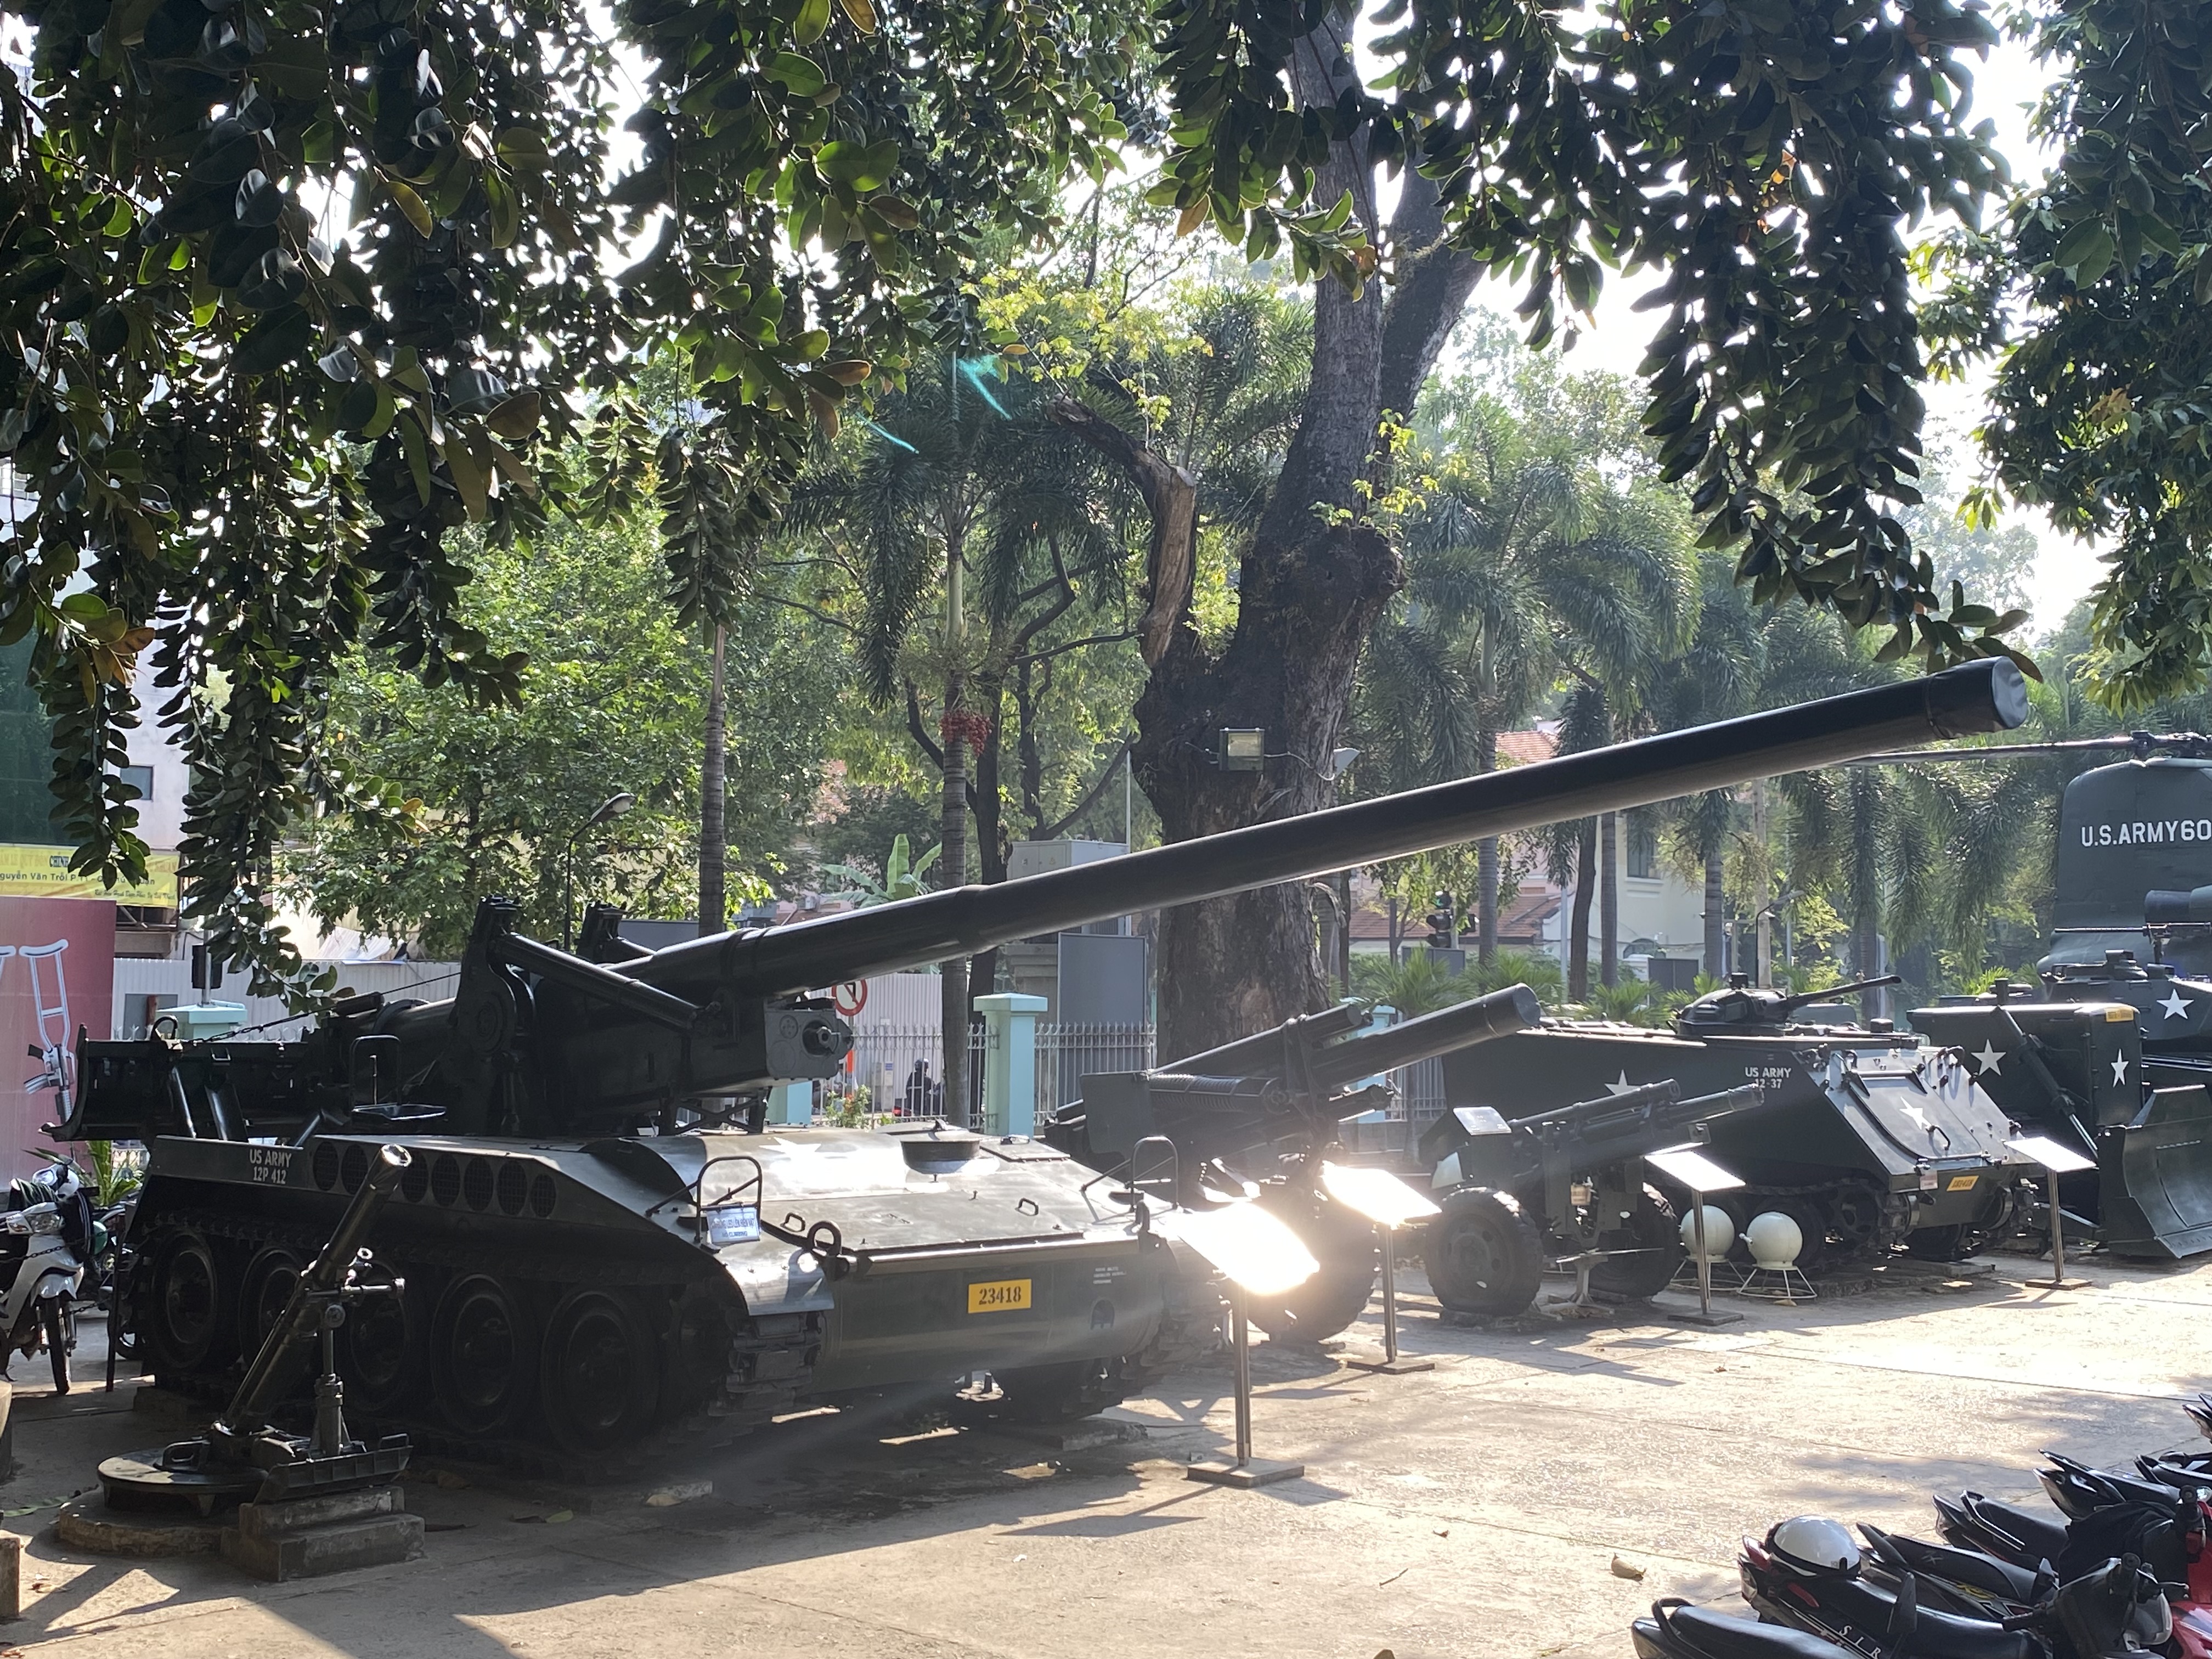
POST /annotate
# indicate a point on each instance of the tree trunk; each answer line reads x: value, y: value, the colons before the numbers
x: 713, y: 783
x: 1608, y: 867
x: 1866, y: 958
x: 953, y: 862
x: 1485, y: 861
x: 993, y: 844
x: 1309, y: 593
x: 1394, y: 935
x: 1585, y: 890
x: 1715, y: 916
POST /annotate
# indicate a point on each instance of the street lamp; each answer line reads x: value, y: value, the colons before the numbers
x: 609, y: 810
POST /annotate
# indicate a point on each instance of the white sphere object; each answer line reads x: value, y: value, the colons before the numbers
x: 1774, y: 1240
x: 1720, y: 1233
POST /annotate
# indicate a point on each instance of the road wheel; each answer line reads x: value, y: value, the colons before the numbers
x: 1650, y: 1233
x: 1345, y: 1243
x: 599, y: 1382
x: 187, y: 1318
x: 383, y: 1345
x: 266, y: 1287
x: 1061, y: 1393
x: 1483, y: 1255
x: 484, y: 1355
x: 59, y: 1323
x: 1939, y: 1244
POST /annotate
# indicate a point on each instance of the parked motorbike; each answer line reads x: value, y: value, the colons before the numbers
x: 113, y: 1259
x: 1810, y: 1574
x: 46, y: 1239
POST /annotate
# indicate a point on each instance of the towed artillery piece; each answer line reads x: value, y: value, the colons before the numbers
x: 1567, y: 1186
x: 589, y: 1250
x: 1265, y: 1111
x: 1867, y: 1138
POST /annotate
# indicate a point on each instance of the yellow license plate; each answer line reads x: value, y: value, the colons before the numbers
x: 1962, y: 1183
x: 999, y: 1296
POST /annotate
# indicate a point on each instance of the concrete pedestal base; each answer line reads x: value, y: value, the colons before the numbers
x: 306, y: 1537
x: 1403, y: 1365
x: 1255, y: 1472
x: 87, y: 1524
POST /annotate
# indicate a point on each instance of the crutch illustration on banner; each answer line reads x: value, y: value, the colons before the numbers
x: 53, y: 1017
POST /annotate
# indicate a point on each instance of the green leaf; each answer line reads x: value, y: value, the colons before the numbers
x: 862, y: 167
x: 813, y: 18
x: 801, y: 77
x: 284, y: 334
x: 410, y: 203
x: 2087, y: 251
x: 417, y: 446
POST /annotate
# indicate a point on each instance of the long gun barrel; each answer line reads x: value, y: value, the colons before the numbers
x: 1246, y: 1094
x: 536, y: 1041
x: 1791, y: 1005
x: 1976, y: 697
x: 1274, y: 1053
x: 1587, y: 1135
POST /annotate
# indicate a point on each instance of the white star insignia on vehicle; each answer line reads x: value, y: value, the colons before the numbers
x: 1917, y: 1115
x: 1990, y: 1059
x: 2175, y: 1004
x: 1623, y: 1087
x: 2119, y: 1068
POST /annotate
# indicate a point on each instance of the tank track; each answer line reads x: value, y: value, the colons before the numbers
x: 770, y: 1359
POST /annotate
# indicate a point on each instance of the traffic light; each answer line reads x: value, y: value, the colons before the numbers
x: 1444, y: 922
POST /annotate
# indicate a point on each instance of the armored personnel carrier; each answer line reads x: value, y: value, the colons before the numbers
x: 591, y: 1245
x: 1867, y: 1138
x: 2112, y: 1052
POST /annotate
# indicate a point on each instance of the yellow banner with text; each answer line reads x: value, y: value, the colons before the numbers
x: 45, y: 872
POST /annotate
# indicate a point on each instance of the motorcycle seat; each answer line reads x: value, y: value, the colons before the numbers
x: 1867, y: 1606
x: 1716, y: 1636
x: 1963, y: 1566
x: 2037, y: 1536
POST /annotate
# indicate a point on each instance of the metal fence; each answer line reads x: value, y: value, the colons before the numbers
x: 1065, y: 1053
x: 898, y: 1071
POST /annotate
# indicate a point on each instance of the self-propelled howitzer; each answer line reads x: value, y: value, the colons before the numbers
x: 584, y: 1257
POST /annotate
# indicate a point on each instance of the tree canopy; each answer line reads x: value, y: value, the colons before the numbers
x: 291, y: 296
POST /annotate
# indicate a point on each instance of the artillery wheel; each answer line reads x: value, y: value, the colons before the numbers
x: 267, y: 1286
x: 1483, y: 1253
x: 1650, y: 1232
x: 599, y: 1381
x: 188, y: 1323
x: 484, y: 1355
x: 1345, y: 1243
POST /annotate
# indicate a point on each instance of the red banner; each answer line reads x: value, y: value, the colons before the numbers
x: 56, y: 974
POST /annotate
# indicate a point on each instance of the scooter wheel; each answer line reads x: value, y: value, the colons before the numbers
x: 58, y: 1323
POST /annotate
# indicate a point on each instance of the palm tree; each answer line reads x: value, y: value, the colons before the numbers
x: 1526, y: 565
x: 1718, y: 677
x: 967, y: 527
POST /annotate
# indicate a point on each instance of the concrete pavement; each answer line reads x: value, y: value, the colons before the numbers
x: 1473, y: 1509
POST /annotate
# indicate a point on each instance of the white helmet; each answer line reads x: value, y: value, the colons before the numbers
x: 1814, y: 1545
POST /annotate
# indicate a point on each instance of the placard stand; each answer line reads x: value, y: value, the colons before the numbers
x: 1259, y: 1256
x: 2056, y: 1158
x: 1694, y: 1170
x: 1390, y: 1203
x: 1392, y: 1362
x: 1246, y: 1471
